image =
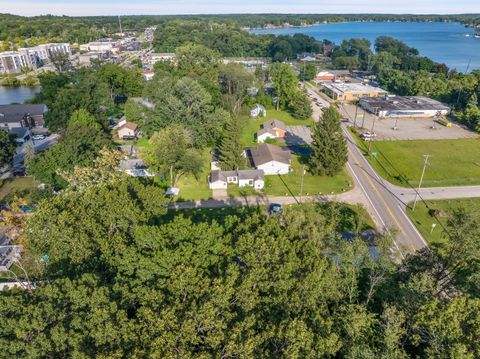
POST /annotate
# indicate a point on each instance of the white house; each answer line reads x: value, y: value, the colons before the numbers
x: 258, y: 111
x: 271, y: 129
x: 243, y: 178
x: 272, y: 160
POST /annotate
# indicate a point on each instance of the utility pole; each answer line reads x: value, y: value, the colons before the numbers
x: 363, y: 119
x: 425, y: 162
x: 355, y: 119
x: 301, y: 184
x: 373, y: 128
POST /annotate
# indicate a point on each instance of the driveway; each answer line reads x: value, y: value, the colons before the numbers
x: 298, y: 135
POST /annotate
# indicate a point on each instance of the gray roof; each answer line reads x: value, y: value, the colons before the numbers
x: 395, y: 103
x: 265, y: 153
x: 218, y: 175
x: 20, y: 132
x: 132, y: 164
x: 15, y: 113
x: 271, y: 124
x: 266, y: 130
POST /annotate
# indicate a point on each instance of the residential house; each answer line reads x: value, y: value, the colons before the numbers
x: 271, y: 159
x: 271, y: 129
x: 22, y: 116
x: 128, y: 130
x: 135, y: 168
x: 243, y: 178
x: 258, y: 111
x: 9, y: 254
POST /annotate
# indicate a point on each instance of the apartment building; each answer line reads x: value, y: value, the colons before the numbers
x: 30, y: 57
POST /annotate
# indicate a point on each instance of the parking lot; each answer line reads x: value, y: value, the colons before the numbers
x: 298, y: 135
x: 407, y: 128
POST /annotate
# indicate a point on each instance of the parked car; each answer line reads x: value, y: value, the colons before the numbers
x: 368, y: 136
x: 39, y: 137
x: 275, y: 208
x: 128, y: 138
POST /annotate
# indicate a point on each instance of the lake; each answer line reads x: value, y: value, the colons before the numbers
x: 441, y: 41
x: 10, y: 95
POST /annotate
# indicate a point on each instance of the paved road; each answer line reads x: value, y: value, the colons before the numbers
x: 383, y: 200
x: 384, y: 206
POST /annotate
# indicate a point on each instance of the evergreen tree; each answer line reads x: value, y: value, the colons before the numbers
x: 301, y: 106
x: 230, y: 148
x: 329, y: 146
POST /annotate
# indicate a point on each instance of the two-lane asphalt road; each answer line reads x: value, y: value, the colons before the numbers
x: 385, y: 204
x: 385, y: 207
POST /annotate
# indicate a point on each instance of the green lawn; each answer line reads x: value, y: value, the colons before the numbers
x: 288, y: 185
x: 192, y: 188
x: 250, y: 126
x: 423, y: 220
x: 452, y: 162
x: 18, y: 184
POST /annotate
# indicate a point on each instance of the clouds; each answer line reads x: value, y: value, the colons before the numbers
x: 123, y: 7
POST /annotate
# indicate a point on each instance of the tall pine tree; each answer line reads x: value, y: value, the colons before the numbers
x: 231, y: 157
x: 329, y: 146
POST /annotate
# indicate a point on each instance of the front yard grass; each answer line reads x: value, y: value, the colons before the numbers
x: 192, y: 188
x: 289, y: 185
x: 452, y: 162
x: 423, y: 220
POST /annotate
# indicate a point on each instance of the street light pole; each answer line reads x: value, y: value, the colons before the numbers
x: 301, y: 184
x: 425, y: 162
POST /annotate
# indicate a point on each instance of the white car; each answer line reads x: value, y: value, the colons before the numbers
x: 39, y: 137
x: 368, y: 136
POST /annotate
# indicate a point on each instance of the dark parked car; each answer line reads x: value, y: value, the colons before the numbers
x: 275, y: 208
x: 128, y: 138
x: 19, y: 172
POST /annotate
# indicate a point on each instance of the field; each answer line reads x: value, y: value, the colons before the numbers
x: 452, y: 162
x: 423, y: 220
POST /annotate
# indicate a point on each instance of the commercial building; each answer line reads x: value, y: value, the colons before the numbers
x: 12, y: 62
x: 404, y: 106
x: 99, y: 46
x: 343, y: 91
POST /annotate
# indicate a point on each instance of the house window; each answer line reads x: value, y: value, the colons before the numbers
x: 250, y: 182
x: 231, y: 179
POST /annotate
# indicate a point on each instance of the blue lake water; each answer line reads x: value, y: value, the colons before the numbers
x: 442, y: 42
x: 10, y: 95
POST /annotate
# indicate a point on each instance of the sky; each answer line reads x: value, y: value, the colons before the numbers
x: 161, y: 7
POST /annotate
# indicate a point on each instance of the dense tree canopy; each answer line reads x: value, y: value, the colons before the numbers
x: 7, y: 147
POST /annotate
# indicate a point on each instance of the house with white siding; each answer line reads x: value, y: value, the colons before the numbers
x: 272, y: 160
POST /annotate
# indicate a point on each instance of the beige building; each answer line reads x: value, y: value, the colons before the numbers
x: 342, y: 91
x: 127, y: 130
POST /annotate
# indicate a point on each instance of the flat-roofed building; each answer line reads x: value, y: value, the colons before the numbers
x: 12, y: 62
x: 404, y: 106
x: 343, y: 91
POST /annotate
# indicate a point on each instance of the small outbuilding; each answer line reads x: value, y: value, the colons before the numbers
x: 258, y: 111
